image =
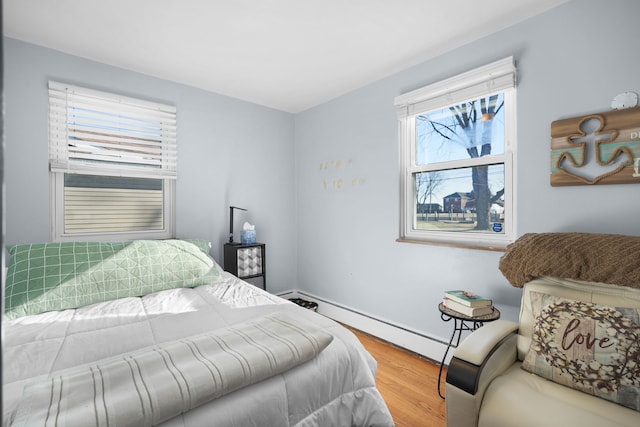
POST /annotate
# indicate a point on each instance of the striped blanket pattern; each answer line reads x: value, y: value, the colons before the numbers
x: 153, y: 385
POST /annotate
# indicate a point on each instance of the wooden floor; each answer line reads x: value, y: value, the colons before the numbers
x: 408, y: 383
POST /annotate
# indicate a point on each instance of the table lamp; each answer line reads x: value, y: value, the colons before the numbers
x: 231, y: 208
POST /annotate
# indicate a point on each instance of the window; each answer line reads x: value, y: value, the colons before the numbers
x: 457, y: 143
x: 113, y: 165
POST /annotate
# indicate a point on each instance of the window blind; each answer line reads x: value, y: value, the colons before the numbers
x: 98, y: 133
x: 492, y: 78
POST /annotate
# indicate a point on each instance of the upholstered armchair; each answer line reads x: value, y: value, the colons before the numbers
x: 573, y: 358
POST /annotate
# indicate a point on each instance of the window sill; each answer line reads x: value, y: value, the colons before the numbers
x: 493, y: 248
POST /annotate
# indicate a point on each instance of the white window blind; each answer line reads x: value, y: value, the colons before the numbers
x: 98, y: 133
x: 492, y: 78
x: 113, y: 165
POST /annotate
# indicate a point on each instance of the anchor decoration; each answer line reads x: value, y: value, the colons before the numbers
x: 599, y: 148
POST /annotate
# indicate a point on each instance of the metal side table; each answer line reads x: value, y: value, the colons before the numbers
x: 461, y: 323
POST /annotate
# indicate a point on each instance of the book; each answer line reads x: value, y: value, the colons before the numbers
x: 466, y: 310
x: 468, y: 299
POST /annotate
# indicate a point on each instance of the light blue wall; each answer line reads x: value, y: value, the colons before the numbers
x: 571, y: 61
x: 322, y: 186
x: 229, y: 152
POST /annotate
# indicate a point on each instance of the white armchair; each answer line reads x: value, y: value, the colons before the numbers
x: 486, y: 385
x: 485, y: 354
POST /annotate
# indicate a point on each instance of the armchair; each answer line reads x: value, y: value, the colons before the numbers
x: 573, y: 358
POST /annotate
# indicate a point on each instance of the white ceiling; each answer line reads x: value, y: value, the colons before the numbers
x: 286, y: 54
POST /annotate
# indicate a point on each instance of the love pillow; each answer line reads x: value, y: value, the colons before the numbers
x: 589, y: 347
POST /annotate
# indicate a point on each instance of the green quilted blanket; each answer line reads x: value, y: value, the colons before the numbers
x: 56, y: 276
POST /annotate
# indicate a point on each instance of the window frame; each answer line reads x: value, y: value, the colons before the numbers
x: 59, y: 165
x: 497, y: 77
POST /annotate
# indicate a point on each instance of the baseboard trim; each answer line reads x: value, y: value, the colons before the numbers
x: 401, y: 336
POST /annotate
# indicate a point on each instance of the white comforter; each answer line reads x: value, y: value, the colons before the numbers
x: 336, y: 388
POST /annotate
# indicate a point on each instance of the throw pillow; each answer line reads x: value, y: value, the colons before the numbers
x: 589, y: 347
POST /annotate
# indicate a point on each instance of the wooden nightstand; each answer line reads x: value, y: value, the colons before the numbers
x: 247, y: 262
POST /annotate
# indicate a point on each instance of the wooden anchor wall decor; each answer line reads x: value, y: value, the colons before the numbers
x: 599, y: 148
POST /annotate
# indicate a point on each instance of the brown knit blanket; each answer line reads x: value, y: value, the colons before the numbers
x: 605, y: 258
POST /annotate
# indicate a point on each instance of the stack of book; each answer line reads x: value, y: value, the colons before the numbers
x: 467, y: 303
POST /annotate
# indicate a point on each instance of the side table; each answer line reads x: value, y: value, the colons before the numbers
x: 461, y: 322
x: 247, y: 262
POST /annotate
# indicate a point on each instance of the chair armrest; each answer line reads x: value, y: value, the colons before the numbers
x: 486, y: 353
x: 474, y: 353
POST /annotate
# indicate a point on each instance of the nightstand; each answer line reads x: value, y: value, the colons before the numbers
x: 247, y: 262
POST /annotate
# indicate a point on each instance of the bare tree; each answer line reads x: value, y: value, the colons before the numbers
x: 426, y: 185
x: 471, y: 126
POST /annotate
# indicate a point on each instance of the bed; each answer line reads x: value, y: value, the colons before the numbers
x: 155, y: 333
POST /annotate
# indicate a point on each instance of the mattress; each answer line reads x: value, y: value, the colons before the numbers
x: 336, y: 387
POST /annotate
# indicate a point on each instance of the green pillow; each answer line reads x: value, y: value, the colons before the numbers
x: 56, y: 276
